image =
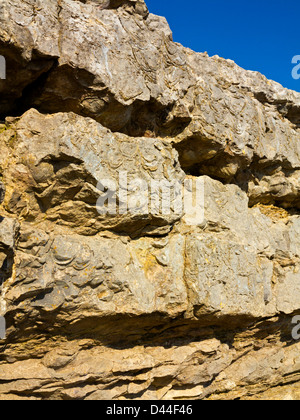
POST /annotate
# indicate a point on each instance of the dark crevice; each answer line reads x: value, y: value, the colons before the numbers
x: 152, y: 119
x: 199, y: 156
x: 34, y: 89
x: 7, y: 257
x: 20, y: 74
x: 131, y: 6
x: 6, y: 264
x: 151, y: 330
x: 287, y: 109
x: 50, y: 93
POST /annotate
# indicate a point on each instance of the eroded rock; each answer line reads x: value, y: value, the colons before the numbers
x: 123, y: 70
x: 60, y: 166
x: 142, y: 304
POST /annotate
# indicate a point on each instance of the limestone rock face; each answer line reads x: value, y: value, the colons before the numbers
x: 62, y: 173
x: 109, y: 287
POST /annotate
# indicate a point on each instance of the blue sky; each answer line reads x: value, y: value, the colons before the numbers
x: 260, y: 35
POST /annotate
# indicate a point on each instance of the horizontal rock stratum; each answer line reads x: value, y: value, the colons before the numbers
x: 142, y: 304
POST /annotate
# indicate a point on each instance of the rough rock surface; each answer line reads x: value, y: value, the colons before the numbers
x: 142, y: 305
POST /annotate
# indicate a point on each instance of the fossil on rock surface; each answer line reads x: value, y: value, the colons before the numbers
x: 137, y: 302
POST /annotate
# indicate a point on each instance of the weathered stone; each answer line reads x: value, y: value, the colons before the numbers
x: 124, y: 71
x: 62, y: 163
x: 140, y: 303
